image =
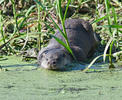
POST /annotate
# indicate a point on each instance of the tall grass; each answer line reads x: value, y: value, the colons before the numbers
x: 1, y: 30
x: 39, y: 28
x: 107, y: 6
x: 111, y: 33
x: 18, y: 25
x: 114, y: 31
x: 16, y: 29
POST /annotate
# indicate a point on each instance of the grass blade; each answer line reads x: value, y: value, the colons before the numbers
x: 106, y: 48
x: 1, y: 29
x: 51, y: 18
x: 26, y: 15
x: 61, y: 42
x: 66, y: 10
x: 93, y: 61
x: 115, y: 19
x: 59, y: 9
x: 99, y: 19
x: 110, y: 52
x: 112, y: 26
x: 107, y: 6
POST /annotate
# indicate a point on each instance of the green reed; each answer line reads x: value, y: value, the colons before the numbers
x: 39, y: 27
x: 114, y: 31
x: 1, y: 30
x: 16, y: 29
x: 19, y: 24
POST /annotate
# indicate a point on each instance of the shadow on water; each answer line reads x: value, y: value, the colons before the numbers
x: 77, y: 66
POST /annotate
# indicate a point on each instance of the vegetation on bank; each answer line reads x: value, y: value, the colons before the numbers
x: 27, y: 24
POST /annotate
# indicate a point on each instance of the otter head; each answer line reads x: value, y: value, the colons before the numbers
x: 54, y: 59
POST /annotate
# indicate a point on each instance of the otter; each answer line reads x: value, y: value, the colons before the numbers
x: 82, y: 41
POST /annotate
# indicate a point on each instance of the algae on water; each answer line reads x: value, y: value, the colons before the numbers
x: 23, y: 82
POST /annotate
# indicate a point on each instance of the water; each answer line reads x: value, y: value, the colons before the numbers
x: 23, y: 82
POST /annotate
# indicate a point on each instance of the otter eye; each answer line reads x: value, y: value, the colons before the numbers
x: 41, y: 56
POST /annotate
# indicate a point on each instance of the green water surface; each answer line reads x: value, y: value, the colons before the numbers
x: 22, y: 81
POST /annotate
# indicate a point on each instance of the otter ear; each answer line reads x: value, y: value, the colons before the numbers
x: 87, y: 26
x: 79, y: 53
x: 43, y: 50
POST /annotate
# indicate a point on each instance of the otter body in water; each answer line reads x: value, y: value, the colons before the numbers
x: 82, y: 41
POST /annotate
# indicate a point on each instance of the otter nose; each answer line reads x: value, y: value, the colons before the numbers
x: 52, y: 63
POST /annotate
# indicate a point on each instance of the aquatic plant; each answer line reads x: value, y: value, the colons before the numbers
x: 16, y: 29
x: 1, y: 30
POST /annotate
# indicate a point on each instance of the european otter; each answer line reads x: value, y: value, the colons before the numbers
x: 82, y: 42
